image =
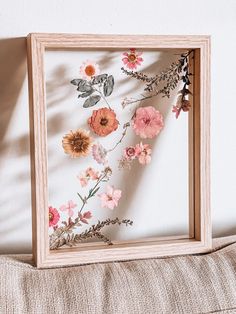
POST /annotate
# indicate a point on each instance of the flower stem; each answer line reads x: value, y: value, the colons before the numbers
x: 121, y: 139
x: 86, y: 198
x: 103, y: 97
x: 143, y: 98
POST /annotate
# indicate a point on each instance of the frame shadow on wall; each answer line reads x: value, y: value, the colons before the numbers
x: 15, y: 210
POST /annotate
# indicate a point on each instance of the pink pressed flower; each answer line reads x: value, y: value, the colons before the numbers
x: 70, y: 205
x: 132, y: 59
x: 89, y: 69
x: 110, y: 198
x: 176, y: 110
x: 143, y: 152
x: 91, y: 173
x: 86, y: 175
x: 83, y: 217
x: 147, y: 122
x: 130, y: 153
x: 54, y: 216
x: 99, y: 153
x: 87, y: 215
x: 83, y: 179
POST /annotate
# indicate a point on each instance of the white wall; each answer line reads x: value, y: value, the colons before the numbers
x: 18, y: 18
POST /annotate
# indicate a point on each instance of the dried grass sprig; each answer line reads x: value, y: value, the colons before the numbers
x: 177, y: 71
x: 93, y: 232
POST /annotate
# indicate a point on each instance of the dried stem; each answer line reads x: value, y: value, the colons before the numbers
x: 171, y: 76
x: 103, y: 97
x: 93, y: 232
x: 94, y: 190
x: 126, y: 126
x: 60, y: 232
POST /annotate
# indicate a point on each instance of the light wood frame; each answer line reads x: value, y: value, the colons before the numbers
x: 199, y: 149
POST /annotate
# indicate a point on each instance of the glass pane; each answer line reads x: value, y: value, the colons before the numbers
x: 155, y: 196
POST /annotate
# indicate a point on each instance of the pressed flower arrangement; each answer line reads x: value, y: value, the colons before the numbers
x: 107, y: 113
x: 94, y: 88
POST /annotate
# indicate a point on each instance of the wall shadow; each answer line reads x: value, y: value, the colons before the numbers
x: 12, y: 75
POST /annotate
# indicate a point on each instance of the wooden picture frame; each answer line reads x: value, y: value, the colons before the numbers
x: 199, y: 239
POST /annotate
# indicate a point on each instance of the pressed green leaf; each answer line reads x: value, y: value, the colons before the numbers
x: 108, y: 85
x: 91, y: 101
x: 86, y: 94
x: 99, y: 79
x: 95, y: 191
x: 84, y: 86
x: 76, y: 82
x: 80, y: 197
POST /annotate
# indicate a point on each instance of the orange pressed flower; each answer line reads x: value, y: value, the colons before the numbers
x: 89, y: 69
x: 77, y: 143
x: 103, y: 121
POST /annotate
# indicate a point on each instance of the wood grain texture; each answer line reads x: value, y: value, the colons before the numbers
x: 199, y: 178
x: 191, y: 159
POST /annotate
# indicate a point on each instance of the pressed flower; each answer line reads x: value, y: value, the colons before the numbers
x: 185, y: 105
x: 143, y: 152
x: 107, y: 171
x: 89, y: 69
x: 103, y: 121
x: 85, y: 216
x: 176, y: 110
x: 83, y: 179
x: 77, y: 143
x: 99, y: 153
x: 54, y: 216
x: 86, y: 175
x: 132, y: 59
x: 124, y: 163
x: 130, y: 153
x: 69, y: 208
x: 91, y: 173
x: 147, y: 122
x: 111, y: 198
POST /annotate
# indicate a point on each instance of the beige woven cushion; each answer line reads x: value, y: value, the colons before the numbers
x: 186, y: 284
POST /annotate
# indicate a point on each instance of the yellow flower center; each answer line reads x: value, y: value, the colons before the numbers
x: 132, y: 57
x: 89, y: 70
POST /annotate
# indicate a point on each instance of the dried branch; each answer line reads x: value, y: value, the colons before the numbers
x: 93, y: 232
x: 176, y: 72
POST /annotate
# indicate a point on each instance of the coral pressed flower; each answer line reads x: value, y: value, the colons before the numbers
x: 77, y: 143
x: 54, y: 216
x: 111, y: 198
x: 99, y: 153
x: 143, y: 152
x: 103, y: 121
x: 130, y: 153
x: 132, y: 59
x: 89, y: 69
x: 68, y: 208
x: 147, y: 122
